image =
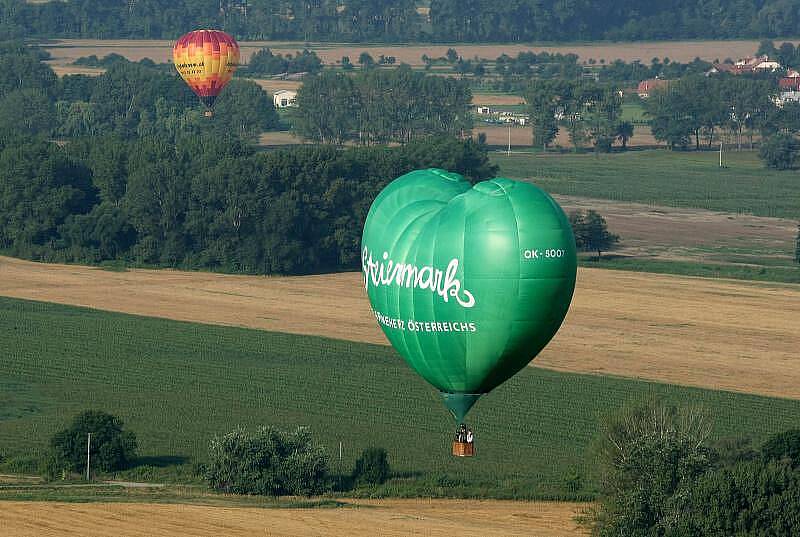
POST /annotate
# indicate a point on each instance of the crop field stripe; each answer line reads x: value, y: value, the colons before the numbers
x: 694, y: 179
x: 177, y: 384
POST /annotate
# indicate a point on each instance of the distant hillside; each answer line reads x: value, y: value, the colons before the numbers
x: 405, y: 20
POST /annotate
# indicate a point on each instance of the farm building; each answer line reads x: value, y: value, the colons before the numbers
x: 791, y: 82
x: 484, y: 110
x: 647, y: 86
x: 789, y: 88
x: 746, y: 66
x: 284, y: 98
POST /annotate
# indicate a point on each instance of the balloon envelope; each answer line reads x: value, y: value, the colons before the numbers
x: 206, y: 60
x: 468, y: 283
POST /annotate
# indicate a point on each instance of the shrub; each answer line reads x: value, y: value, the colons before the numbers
x: 573, y: 480
x: 591, y: 232
x: 372, y: 467
x: 779, y: 151
x: 752, y: 498
x: 111, y: 447
x: 24, y: 465
x: 647, y: 455
x: 268, y: 462
x: 783, y: 446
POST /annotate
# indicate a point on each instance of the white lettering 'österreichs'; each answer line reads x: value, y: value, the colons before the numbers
x: 387, y: 272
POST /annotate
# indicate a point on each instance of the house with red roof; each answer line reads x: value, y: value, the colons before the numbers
x: 744, y: 66
x: 647, y: 86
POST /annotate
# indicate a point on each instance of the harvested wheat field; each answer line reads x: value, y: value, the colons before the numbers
x: 719, y: 334
x: 68, y: 50
x: 485, y: 99
x: 432, y: 518
x: 278, y: 138
x: 272, y: 86
x: 496, y: 135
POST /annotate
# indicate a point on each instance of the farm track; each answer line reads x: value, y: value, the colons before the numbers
x: 718, y: 334
x: 394, y: 518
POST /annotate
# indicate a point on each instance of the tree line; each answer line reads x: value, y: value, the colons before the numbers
x: 381, y: 106
x: 129, y: 99
x: 660, y: 474
x: 398, y: 21
x: 589, y: 111
x: 203, y: 202
x: 139, y: 176
x: 268, y: 461
x: 554, y: 20
x: 690, y: 111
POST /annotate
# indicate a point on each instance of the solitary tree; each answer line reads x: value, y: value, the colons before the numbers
x: 624, y: 132
x: 779, y: 152
x: 372, y: 467
x: 797, y: 246
x: 591, y: 232
x: 646, y: 455
x: 111, y: 448
x: 365, y: 60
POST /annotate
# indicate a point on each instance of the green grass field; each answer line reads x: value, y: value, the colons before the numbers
x: 633, y: 112
x: 177, y: 384
x: 671, y: 178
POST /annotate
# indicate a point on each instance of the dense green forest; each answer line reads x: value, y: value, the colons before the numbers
x: 129, y: 99
x: 125, y: 167
x: 380, y: 106
x: 203, y: 201
x: 400, y: 21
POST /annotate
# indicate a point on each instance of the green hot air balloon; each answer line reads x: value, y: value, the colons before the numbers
x: 469, y: 283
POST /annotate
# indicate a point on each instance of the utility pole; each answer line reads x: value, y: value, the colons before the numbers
x: 509, y: 139
x: 340, y: 451
x: 88, y: 455
x: 720, y: 153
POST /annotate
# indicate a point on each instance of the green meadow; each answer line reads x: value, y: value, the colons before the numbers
x: 661, y: 177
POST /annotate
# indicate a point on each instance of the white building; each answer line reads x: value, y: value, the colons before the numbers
x: 787, y: 97
x: 284, y: 98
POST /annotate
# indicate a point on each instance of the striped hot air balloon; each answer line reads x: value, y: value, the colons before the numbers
x: 206, y: 60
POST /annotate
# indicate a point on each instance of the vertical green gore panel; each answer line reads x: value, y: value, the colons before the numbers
x: 468, y: 283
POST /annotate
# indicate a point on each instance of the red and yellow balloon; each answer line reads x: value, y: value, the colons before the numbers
x: 206, y: 60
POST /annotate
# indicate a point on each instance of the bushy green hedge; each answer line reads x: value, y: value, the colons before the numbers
x: 267, y: 462
x: 372, y: 467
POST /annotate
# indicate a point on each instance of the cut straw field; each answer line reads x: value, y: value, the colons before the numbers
x: 433, y: 518
x: 68, y: 50
x: 720, y: 334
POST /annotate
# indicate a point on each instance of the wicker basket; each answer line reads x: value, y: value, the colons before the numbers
x: 463, y: 449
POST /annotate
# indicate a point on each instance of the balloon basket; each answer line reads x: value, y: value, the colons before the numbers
x: 208, y: 113
x: 463, y: 449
